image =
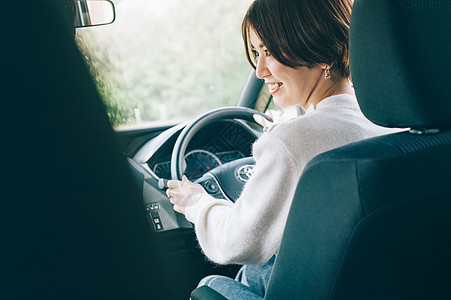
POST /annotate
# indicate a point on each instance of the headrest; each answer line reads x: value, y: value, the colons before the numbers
x: 400, y: 61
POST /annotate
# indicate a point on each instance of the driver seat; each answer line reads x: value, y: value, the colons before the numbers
x: 372, y: 219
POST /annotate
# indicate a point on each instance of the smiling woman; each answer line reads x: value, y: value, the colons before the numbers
x: 163, y: 62
x: 299, y: 49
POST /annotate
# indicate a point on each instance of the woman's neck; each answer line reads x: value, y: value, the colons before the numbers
x: 327, y: 88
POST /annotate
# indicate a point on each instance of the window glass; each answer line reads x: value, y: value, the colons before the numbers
x: 167, y: 61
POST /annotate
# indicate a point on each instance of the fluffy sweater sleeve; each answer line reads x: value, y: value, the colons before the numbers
x: 250, y: 230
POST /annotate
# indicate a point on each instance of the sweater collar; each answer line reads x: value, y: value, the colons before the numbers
x: 342, y: 101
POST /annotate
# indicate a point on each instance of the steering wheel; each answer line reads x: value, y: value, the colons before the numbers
x: 225, y: 181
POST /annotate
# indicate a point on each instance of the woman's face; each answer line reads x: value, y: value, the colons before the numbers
x: 288, y: 86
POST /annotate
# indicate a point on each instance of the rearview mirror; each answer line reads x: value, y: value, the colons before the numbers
x: 94, y: 13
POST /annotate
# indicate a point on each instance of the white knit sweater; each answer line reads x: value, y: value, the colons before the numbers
x: 250, y: 230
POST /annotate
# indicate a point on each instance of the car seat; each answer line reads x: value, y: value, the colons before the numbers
x: 73, y: 224
x: 372, y: 219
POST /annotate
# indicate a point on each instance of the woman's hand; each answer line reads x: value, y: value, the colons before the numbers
x: 184, y: 193
x: 277, y: 116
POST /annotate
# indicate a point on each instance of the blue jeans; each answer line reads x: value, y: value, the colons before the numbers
x: 250, y: 282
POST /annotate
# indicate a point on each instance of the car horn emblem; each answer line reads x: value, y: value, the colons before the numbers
x: 244, y: 173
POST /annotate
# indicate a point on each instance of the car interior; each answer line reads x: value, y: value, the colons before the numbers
x: 85, y: 214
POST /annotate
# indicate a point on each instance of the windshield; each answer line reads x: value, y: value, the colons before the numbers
x: 167, y: 61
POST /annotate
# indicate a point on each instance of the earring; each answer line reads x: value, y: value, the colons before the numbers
x: 326, y: 73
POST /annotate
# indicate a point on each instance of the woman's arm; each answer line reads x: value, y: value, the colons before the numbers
x: 250, y: 230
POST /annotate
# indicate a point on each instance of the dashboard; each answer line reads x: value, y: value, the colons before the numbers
x: 198, y: 162
x: 219, y: 143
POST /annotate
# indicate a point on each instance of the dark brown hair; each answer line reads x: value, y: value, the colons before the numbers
x: 301, y: 32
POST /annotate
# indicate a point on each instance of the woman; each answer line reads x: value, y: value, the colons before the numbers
x: 300, y: 49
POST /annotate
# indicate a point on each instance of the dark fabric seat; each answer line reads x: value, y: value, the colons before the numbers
x: 72, y: 223
x: 372, y: 220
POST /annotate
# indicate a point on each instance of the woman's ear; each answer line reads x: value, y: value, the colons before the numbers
x: 326, y: 66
